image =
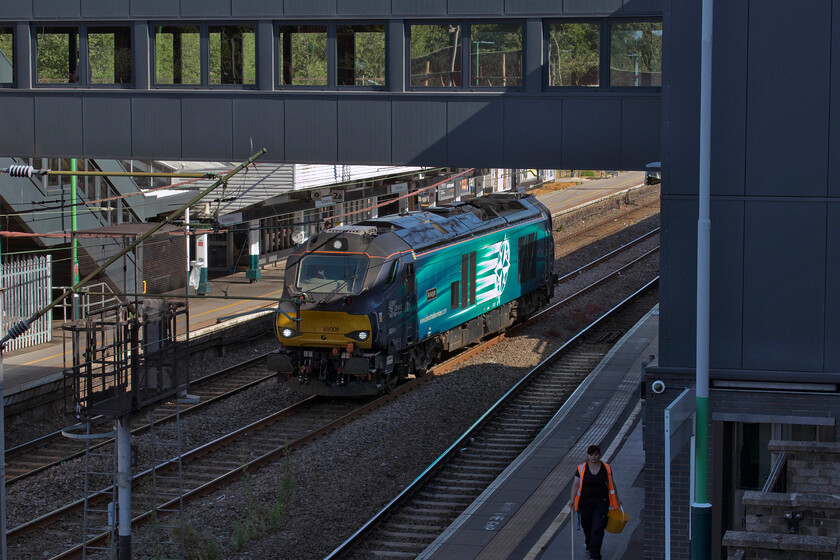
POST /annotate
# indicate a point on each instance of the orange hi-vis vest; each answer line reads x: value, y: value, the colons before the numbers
x: 610, y: 486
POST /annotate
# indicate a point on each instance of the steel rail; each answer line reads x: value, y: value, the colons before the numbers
x: 471, y: 432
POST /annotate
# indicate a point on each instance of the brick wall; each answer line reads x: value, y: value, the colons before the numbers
x: 164, y: 263
x: 654, y: 512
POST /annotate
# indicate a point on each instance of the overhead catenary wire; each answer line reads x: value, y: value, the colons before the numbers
x: 23, y: 325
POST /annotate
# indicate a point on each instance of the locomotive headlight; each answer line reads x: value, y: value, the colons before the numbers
x: 361, y: 336
x: 287, y: 333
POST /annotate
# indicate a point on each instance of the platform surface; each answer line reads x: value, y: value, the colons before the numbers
x: 524, y: 514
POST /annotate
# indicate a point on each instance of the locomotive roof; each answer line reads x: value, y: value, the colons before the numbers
x: 442, y: 224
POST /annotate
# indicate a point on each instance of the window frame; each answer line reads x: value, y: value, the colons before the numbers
x: 13, y: 33
x: 204, y: 54
x: 547, y: 86
x: 460, y: 56
x: 332, y: 55
x: 607, y: 52
x: 83, y: 68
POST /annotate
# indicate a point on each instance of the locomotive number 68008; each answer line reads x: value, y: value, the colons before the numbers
x: 381, y: 299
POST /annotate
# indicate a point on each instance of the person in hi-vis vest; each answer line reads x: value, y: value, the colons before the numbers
x: 593, y: 495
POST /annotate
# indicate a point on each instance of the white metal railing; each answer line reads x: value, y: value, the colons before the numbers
x: 92, y: 298
x: 28, y: 288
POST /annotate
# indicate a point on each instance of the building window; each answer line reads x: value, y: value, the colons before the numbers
x: 109, y: 55
x: 303, y: 55
x: 435, y: 55
x: 573, y: 54
x: 177, y: 55
x: 496, y: 55
x: 232, y: 55
x: 360, y: 55
x: 7, y: 61
x: 636, y: 54
x: 57, y: 55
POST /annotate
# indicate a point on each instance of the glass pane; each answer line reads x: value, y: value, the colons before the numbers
x: 573, y: 54
x: 109, y: 57
x: 361, y: 55
x: 58, y: 55
x: 436, y: 55
x: 496, y: 55
x: 177, y: 55
x: 303, y: 55
x: 7, y: 68
x: 636, y: 54
x: 336, y: 274
x: 232, y: 55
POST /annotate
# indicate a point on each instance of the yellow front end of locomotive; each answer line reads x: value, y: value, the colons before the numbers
x: 325, y: 329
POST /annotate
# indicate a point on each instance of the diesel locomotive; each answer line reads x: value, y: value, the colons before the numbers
x: 367, y: 304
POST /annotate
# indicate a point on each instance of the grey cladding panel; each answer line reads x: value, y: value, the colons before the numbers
x: 364, y: 131
x: 415, y: 8
x: 258, y: 123
x: 16, y: 120
x: 475, y: 132
x: 787, y: 106
x: 56, y: 8
x: 58, y: 126
x: 591, y: 138
x: 678, y: 283
x: 784, y: 279
x: 364, y: 7
x: 295, y: 8
x: 729, y: 111
x: 103, y: 138
x: 311, y: 126
x: 255, y: 8
x: 530, y: 7
x: 155, y: 8
x: 681, y: 96
x: 476, y: 7
x: 205, y: 8
x: 832, y: 304
x: 727, y: 282
x: 207, y: 125
x: 536, y: 126
x: 642, y: 7
x: 640, y: 132
x: 574, y: 7
x: 419, y: 132
x: 834, y: 125
x: 104, y: 9
x: 12, y: 9
x: 159, y: 134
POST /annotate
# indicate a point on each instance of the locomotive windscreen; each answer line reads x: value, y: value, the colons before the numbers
x: 337, y: 274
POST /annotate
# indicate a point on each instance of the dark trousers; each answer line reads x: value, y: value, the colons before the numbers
x: 593, y: 519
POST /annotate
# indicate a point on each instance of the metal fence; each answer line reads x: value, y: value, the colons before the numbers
x: 28, y: 288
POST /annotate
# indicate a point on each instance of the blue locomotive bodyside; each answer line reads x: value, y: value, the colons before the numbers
x: 398, y: 290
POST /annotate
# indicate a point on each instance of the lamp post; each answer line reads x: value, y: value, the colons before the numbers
x: 635, y: 58
x: 477, y: 53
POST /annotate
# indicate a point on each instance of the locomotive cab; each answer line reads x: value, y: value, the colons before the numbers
x: 346, y: 287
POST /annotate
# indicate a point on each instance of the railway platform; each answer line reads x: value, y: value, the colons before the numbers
x: 39, y: 369
x: 524, y: 514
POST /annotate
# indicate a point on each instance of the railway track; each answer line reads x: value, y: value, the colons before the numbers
x: 414, y: 519
x: 19, y: 536
x: 54, y: 449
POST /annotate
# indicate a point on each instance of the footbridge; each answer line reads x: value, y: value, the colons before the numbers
x: 457, y: 83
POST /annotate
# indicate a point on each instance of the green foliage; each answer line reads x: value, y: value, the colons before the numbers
x: 258, y: 519
x: 574, y: 54
x: 6, y: 43
x: 306, y: 64
x: 56, y: 64
x: 199, y: 545
x: 636, y: 42
x: 177, y: 55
